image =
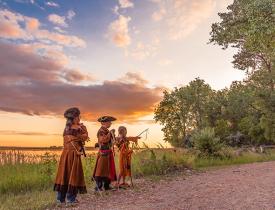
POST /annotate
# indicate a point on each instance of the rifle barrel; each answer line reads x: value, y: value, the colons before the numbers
x: 143, y: 132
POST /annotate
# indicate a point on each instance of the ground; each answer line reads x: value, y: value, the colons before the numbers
x: 250, y: 186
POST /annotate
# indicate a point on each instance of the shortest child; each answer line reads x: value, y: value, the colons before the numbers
x: 125, y: 154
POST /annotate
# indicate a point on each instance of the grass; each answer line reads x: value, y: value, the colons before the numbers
x: 247, y: 157
x: 28, y: 184
x: 29, y: 200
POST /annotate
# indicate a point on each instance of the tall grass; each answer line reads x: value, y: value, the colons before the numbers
x: 17, y: 157
x: 247, y: 157
x: 23, y: 179
x: 159, y: 162
x: 19, y: 177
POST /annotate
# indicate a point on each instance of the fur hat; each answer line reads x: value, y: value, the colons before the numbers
x: 72, y: 113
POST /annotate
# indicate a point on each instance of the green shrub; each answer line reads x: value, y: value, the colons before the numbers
x: 159, y: 161
x: 222, y: 129
x: 207, y: 143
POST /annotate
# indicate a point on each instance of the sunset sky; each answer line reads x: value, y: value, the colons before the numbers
x: 107, y: 57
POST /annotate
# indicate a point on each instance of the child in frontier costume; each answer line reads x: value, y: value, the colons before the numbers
x: 70, y: 177
x: 104, y: 171
x: 125, y: 155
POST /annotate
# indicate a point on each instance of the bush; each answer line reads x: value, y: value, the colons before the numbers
x: 236, y: 140
x: 222, y: 129
x: 206, y: 142
x: 159, y: 161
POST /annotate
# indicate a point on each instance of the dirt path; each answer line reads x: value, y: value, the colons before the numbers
x: 250, y: 186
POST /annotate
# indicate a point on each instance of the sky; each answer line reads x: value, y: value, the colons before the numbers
x: 107, y: 57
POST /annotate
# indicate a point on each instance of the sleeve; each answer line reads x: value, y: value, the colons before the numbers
x: 84, y: 134
x: 133, y: 139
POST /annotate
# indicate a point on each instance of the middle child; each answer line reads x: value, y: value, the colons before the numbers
x: 104, y: 171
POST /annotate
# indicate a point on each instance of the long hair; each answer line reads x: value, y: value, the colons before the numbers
x: 69, y: 122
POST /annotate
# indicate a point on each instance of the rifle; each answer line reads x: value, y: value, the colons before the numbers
x: 146, y: 130
x: 82, y: 148
x: 81, y: 143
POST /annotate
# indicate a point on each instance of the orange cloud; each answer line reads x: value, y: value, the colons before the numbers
x: 36, y: 85
x: 9, y: 25
x: 12, y: 27
x: 20, y: 64
x: 32, y: 24
x: 7, y: 30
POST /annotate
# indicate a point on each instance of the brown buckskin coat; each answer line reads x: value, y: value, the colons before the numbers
x: 105, y: 166
x: 70, y: 176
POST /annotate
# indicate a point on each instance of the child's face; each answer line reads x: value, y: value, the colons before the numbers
x: 76, y: 120
x: 106, y: 124
x: 123, y: 132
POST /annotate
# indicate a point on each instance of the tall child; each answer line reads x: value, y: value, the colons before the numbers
x: 70, y: 177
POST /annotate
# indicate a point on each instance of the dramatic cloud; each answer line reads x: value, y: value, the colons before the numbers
x: 36, y: 85
x: 119, y: 32
x: 58, y: 20
x: 125, y: 3
x: 15, y: 26
x: 182, y: 17
x: 21, y: 65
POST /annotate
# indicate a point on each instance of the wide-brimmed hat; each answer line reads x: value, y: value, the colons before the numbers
x: 106, y: 119
x: 72, y: 113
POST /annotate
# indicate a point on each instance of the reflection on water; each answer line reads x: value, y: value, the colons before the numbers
x: 19, y: 156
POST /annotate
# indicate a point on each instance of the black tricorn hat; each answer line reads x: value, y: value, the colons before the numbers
x: 106, y: 119
x: 72, y: 113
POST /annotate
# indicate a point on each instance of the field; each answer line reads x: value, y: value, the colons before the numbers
x: 26, y: 181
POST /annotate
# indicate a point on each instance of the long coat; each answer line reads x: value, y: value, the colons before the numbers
x: 125, y: 155
x: 105, y: 164
x: 70, y: 176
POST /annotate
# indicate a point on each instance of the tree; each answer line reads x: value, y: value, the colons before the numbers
x: 249, y: 26
x: 173, y: 113
x: 183, y: 109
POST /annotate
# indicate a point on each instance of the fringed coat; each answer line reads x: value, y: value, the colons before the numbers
x: 125, y: 155
x: 70, y: 176
x: 105, y: 164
